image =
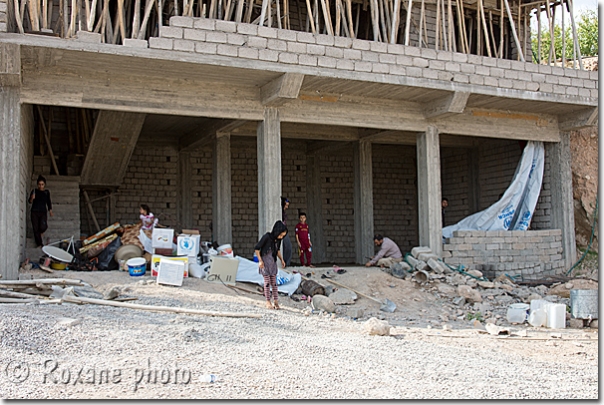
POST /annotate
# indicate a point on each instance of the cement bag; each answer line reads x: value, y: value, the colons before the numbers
x: 515, y: 209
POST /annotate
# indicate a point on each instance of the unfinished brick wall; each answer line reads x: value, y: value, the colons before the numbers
x: 201, y: 191
x: 456, y: 183
x: 151, y: 178
x: 498, y: 160
x: 293, y: 185
x: 542, y: 216
x: 533, y: 254
x: 395, y: 194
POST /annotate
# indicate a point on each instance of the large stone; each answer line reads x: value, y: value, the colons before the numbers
x: 376, y: 327
x: 576, y: 323
x: 355, y: 313
x: 343, y: 296
x: 594, y: 324
x: 475, y: 273
x: 416, y: 251
x: 457, y: 279
x: 447, y: 289
x: 436, y: 266
x: 322, y: 302
x: 400, y: 269
x: 486, y: 284
x: 563, y: 290
x: 470, y: 294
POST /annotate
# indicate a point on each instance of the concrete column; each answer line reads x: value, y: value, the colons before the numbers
x: 429, y: 190
x: 12, y: 195
x: 185, y: 186
x: 314, y: 202
x: 269, y: 170
x: 563, y: 214
x: 221, y: 187
x: 363, y: 202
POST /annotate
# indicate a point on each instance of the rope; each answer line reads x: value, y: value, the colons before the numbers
x: 591, y: 238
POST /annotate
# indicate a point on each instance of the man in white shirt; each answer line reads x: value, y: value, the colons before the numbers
x: 388, y: 255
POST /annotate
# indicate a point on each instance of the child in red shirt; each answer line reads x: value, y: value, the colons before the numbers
x: 303, y: 239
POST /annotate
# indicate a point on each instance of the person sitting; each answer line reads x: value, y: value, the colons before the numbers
x: 388, y: 255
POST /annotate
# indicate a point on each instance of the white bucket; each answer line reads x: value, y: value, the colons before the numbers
x: 195, y: 270
x: 517, y: 313
x: 538, y: 317
x: 556, y: 316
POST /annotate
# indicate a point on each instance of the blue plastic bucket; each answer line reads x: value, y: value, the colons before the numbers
x: 137, y: 266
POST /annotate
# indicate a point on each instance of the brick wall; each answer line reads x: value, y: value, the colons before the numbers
x: 201, y: 191
x: 6, y: 16
x: 244, y: 197
x: 498, y: 160
x: 395, y: 194
x: 542, y: 216
x: 225, y: 38
x: 456, y: 183
x: 533, y: 254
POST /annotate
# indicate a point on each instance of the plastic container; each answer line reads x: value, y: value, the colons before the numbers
x: 517, y: 313
x: 536, y: 304
x: 208, y: 378
x: 137, y: 266
x: 255, y: 258
x: 538, y: 318
x: 556, y: 316
x: 195, y: 270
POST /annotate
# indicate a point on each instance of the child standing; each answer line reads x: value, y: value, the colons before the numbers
x: 303, y: 239
x: 148, y: 220
x: 267, y: 251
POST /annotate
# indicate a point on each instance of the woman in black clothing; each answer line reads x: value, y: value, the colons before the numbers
x: 40, y: 200
x: 267, y: 251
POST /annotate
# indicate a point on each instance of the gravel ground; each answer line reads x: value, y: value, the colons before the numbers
x: 125, y: 353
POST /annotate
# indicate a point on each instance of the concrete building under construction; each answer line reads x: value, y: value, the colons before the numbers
x: 364, y: 113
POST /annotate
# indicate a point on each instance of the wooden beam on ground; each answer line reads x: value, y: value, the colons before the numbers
x: 279, y: 91
x: 447, y: 106
x: 207, y: 133
x: 584, y: 118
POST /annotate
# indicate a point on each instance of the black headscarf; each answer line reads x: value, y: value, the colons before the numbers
x: 271, y: 240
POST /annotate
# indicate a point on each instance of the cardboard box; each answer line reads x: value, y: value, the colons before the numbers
x: 156, y: 260
x: 223, y: 270
x: 190, y: 232
x: 162, y: 238
x: 171, y: 272
x: 187, y: 245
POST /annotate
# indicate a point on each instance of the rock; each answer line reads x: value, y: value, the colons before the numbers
x: 416, y: 251
x: 533, y: 297
x: 459, y: 301
x: 594, y: 324
x: 496, y: 330
x: 507, y: 287
x: 87, y: 292
x: 477, y: 324
x: 469, y: 293
x: 563, y: 290
x: 457, y: 279
x: 436, y: 266
x: 520, y: 333
x: 486, y: 284
x: 355, y: 313
x: 569, y: 286
x: 576, y: 323
x: 541, y: 290
x: 446, y: 289
x: 68, y: 322
x: 400, y: 269
x: 111, y: 294
x: 321, y: 302
x: 472, y: 282
x: 552, y: 298
x: 475, y: 273
x: 375, y: 326
x: 329, y: 289
x: 343, y: 296
x: 447, y: 327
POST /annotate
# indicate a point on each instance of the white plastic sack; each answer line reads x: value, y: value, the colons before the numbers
x: 516, y: 207
x: 248, y: 272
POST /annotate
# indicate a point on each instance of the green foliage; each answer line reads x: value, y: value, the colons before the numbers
x: 477, y: 316
x: 587, y: 33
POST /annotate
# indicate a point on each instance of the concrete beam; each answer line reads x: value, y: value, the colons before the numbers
x: 204, y: 135
x: 429, y: 190
x: 363, y: 201
x: 269, y: 171
x: 284, y: 88
x: 113, y: 140
x: 221, y: 190
x: 587, y: 117
x: 10, y: 65
x: 319, y: 147
x: 447, y: 106
x: 562, y: 211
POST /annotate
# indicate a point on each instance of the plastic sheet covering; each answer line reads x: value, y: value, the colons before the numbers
x: 248, y: 272
x: 515, y: 209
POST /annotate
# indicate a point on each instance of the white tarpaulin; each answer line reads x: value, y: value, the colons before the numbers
x: 516, y: 207
x: 248, y: 272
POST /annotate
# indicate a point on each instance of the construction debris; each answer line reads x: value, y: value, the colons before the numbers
x: 375, y: 326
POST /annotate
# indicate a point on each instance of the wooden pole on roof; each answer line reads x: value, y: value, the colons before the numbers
x: 492, y: 32
x: 517, y: 41
x: 338, y: 17
x: 407, y: 22
x: 143, y: 28
x: 501, y: 33
x: 451, y: 26
x: 551, y: 32
x: 575, y: 37
x: 47, y: 138
x: 539, y: 35
x: 18, y: 17
x: 563, y: 34
x: 444, y: 36
x: 350, y: 22
x: 437, y: 37
x: 487, y: 40
x: 374, y: 19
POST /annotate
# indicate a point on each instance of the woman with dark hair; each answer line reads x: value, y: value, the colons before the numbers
x: 287, y: 243
x: 39, y: 199
x: 267, y: 251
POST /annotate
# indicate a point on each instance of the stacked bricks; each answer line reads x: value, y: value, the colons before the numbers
x: 248, y: 41
x: 201, y: 191
x: 543, y: 211
x: 497, y: 160
x: 293, y: 186
x: 533, y: 254
x: 395, y: 194
x: 6, y: 15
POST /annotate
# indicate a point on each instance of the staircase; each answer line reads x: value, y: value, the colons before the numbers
x: 65, y: 197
